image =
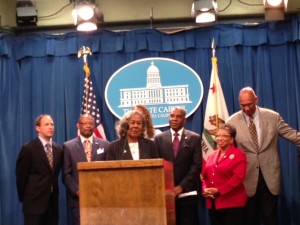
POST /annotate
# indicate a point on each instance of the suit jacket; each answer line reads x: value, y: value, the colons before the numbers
x: 74, y: 153
x: 119, y: 149
x: 35, y: 178
x: 187, y: 164
x: 267, y: 157
x: 226, y: 174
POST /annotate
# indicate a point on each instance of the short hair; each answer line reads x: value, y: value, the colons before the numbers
x: 231, y: 129
x: 39, y: 119
x: 124, y: 123
x: 179, y: 108
x: 85, y: 115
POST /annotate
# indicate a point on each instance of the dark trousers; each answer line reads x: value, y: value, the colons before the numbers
x: 262, y: 207
x: 228, y: 216
x: 75, y: 216
x: 50, y: 217
x: 187, y: 211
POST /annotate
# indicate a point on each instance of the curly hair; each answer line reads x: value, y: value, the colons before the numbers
x: 124, y: 123
x: 149, y: 125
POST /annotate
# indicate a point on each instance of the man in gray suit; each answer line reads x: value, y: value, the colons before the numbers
x: 263, y: 171
x: 186, y: 160
x: 76, y: 151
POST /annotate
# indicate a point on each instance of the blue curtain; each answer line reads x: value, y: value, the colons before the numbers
x: 41, y: 73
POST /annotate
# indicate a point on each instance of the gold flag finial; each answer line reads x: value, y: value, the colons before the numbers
x: 84, y: 51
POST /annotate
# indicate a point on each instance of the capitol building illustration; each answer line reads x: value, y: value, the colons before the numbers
x: 154, y: 93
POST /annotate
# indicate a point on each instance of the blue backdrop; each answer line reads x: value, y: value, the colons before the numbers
x: 41, y: 73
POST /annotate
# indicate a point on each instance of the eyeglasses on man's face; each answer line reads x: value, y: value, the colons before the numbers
x: 222, y: 136
x: 249, y: 105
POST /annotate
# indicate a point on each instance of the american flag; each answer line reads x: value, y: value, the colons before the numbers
x: 89, y: 105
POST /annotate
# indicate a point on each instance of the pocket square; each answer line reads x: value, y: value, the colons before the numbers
x: 100, y: 151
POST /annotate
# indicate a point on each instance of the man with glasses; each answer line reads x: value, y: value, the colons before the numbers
x: 84, y: 148
x: 258, y: 130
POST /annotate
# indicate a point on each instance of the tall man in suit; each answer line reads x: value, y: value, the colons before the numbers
x: 84, y: 148
x: 37, y: 175
x: 186, y: 164
x: 262, y: 181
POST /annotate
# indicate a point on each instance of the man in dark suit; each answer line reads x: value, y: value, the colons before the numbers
x: 37, y: 175
x: 77, y: 150
x: 262, y: 181
x: 187, y: 165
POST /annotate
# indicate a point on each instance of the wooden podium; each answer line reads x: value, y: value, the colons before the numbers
x: 126, y: 192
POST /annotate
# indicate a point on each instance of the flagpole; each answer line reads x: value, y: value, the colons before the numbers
x: 84, y: 52
x: 215, y: 69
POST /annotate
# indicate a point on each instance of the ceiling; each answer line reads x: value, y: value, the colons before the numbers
x: 135, y: 14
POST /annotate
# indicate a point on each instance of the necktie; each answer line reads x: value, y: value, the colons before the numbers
x: 253, y: 132
x: 49, y: 154
x: 175, y: 144
x: 88, y: 151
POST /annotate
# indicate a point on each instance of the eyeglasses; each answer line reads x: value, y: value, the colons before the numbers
x: 222, y: 136
x: 86, y: 123
x: 250, y: 105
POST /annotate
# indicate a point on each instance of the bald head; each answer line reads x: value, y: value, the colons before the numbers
x: 248, y: 100
x: 247, y: 90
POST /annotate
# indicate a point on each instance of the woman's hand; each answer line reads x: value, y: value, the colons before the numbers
x: 210, y: 192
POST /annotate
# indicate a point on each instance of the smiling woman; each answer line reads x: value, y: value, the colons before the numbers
x: 132, y: 145
x: 222, y: 180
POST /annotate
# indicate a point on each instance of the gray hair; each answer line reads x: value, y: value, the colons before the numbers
x: 124, y: 123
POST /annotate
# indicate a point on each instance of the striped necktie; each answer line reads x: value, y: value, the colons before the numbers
x: 253, y: 132
x: 49, y: 154
x: 88, y: 150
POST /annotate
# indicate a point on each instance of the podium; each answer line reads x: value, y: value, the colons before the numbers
x: 126, y: 192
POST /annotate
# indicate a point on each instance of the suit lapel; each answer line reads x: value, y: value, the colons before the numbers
x: 80, y: 149
x: 169, y: 143
x: 94, y: 148
x: 126, y: 154
x: 181, y: 142
x: 263, y: 123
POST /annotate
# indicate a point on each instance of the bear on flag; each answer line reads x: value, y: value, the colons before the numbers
x: 216, y: 110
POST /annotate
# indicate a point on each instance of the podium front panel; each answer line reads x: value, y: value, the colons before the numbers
x: 123, y: 192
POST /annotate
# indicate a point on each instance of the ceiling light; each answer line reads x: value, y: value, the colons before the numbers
x: 275, y: 9
x: 86, y: 26
x: 205, y: 11
x: 86, y: 15
x: 85, y: 10
x: 273, y: 3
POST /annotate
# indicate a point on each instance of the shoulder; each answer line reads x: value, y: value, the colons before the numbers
x: 162, y: 135
x: 116, y: 142
x: 100, y: 141
x: 269, y: 112
x: 191, y: 133
x: 212, y: 155
x: 31, y: 146
x: 57, y: 146
x: 72, y: 141
x: 236, y: 116
x: 237, y: 151
x: 145, y: 140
